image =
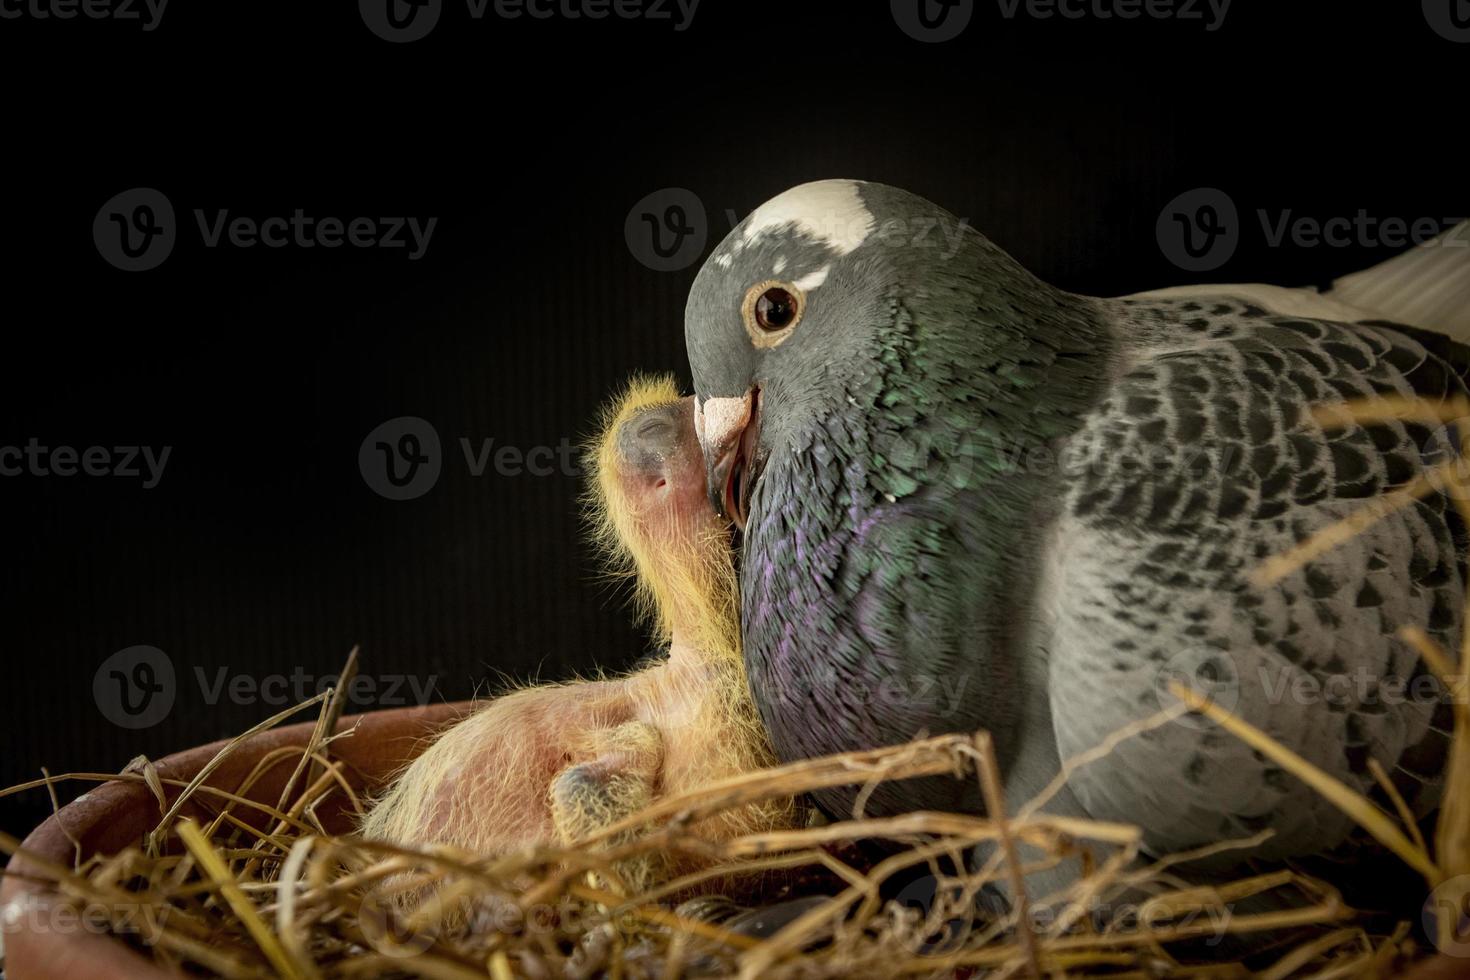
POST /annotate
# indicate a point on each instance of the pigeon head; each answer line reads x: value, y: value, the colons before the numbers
x: 796, y: 302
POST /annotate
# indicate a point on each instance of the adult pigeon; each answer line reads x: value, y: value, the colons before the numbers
x: 971, y: 500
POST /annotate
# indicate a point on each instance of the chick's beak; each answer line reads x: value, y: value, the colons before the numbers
x: 727, y: 429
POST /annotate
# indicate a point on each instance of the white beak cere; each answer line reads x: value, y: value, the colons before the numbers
x: 722, y: 425
x: 719, y: 422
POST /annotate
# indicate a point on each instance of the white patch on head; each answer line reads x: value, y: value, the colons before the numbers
x: 831, y: 211
x: 780, y: 265
x: 812, y: 280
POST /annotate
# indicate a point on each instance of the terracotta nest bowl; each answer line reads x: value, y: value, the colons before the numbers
x: 117, y: 815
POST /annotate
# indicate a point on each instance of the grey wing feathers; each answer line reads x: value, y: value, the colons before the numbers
x: 1204, y: 460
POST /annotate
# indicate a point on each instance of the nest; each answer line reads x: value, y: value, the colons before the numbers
x: 292, y: 900
x: 259, y: 890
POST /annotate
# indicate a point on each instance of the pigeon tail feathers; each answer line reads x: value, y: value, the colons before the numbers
x: 1427, y: 286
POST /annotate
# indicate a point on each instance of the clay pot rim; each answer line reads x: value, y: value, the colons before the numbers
x: 103, y: 818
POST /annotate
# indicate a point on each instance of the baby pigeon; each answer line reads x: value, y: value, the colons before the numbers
x: 557, y: 762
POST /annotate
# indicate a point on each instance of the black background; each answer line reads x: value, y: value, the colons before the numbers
x: 263, y: 550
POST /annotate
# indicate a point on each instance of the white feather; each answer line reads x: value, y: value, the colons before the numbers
x: 1427, y: 286
x: 831, y: 211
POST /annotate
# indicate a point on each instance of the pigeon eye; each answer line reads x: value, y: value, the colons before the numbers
x: 771, y: 311
x: 775, y: 309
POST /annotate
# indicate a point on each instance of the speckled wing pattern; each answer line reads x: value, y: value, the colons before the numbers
x: 1204, y: 459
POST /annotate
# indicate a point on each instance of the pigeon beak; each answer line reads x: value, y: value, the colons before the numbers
x: 728, y: 429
